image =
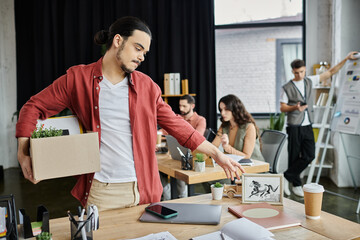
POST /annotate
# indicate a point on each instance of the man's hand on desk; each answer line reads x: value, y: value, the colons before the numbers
x: 24, y: 159
x: 230, y: 167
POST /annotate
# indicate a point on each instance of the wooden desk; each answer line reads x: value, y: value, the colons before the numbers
x: 124, y: 223
x: 172, y: 168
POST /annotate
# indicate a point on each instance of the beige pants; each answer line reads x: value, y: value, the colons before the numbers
x: 113, y: 195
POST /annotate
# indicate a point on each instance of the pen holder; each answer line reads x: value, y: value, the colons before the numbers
x: 81, y: 230
x: 186, y: 163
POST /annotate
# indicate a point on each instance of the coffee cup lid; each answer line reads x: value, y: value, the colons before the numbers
x: 313, y: 188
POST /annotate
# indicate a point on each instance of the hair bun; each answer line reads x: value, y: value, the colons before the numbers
x: 101, y: 37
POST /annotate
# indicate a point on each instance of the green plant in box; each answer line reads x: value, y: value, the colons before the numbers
x: 41, y: 132
x: 218, y: 185
x: 199, y: 157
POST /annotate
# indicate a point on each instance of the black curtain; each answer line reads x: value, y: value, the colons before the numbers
x: 52, y: 36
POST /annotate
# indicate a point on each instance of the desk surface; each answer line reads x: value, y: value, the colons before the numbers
x: 172, y: 168
x: 124, y: 223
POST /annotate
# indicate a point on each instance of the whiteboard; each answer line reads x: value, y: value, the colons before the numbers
x: 346, y: 117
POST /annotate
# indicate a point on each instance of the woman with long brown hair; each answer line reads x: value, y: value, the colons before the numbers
x: 238, y: 133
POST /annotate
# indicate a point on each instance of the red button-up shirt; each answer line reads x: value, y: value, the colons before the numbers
x: 79, y: 90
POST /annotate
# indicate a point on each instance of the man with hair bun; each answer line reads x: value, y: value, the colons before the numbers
x: 124, y: 106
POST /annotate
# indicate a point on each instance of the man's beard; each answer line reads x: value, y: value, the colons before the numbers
x: 123, y: 67
x: 184, y: 113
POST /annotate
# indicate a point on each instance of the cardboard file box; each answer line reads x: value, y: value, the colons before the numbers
x: 64, y: 156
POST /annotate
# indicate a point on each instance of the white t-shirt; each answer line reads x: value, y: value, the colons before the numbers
x: 116, y: 152
x: 315, y: 79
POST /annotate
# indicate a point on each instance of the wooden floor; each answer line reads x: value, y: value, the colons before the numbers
x: 55, y: 195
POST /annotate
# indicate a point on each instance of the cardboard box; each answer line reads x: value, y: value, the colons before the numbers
x: 64, y: 156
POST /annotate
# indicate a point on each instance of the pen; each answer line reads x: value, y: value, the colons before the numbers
x: 79, y: 211
x: 72, y: 219
x: 214, y: 132
x: 222, y: 236
x: 81, y: 218
x: 181, y: 153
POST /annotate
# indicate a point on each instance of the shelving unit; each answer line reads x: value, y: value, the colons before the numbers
x: 324, y: 130
x: 178, y: 95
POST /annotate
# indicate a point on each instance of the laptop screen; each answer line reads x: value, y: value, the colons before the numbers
x: 173, y: 144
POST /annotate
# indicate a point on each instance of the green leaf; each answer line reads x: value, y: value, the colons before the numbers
x: 199, y: 157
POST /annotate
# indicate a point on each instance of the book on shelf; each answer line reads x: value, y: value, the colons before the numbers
x: 167, y: 83
x: 318, y: 102
x: 266, y: 215
x: 172, y: 83
x: 238, y: 229
x: 177, y: 83
x: 322, y: 99
x: 185, y: 86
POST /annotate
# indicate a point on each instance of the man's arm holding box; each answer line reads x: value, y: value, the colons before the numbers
x: 48, y: 102
x: 24, y: 158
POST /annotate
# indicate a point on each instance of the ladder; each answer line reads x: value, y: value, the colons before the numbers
x: 324, y: 128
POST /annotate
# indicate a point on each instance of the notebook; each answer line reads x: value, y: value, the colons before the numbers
x: 187, y: 213
x: 238, y: 229
x: 173, y: 144
x: 265, y: 215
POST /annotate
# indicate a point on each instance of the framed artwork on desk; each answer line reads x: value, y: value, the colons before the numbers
x: 263, y: 188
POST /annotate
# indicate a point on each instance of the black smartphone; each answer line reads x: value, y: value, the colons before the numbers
x: 302, y: 103
x: 161, y: 211
x: 245, y: 162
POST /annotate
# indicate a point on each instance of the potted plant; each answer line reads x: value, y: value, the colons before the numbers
x: 44, y: 236
x: 277, y: 122
x: 217, y: 191
x: 199, y: 163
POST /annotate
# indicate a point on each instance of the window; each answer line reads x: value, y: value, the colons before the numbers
x: 255, y: 42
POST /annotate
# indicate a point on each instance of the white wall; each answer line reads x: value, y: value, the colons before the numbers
x: 318, y: 33
x: 7, y: 84
x: 246, y: 64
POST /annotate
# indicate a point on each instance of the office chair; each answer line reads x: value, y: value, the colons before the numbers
x: 209, y: 135
x: 272, y: 144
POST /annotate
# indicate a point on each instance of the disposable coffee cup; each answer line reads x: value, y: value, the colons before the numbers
x: 158, y: 140
x: 313, y: 195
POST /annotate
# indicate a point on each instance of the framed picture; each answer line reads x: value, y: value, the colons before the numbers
x: 262, y: 188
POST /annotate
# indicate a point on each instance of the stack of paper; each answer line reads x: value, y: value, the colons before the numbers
x: 157, y: 236
x: 238, y: 229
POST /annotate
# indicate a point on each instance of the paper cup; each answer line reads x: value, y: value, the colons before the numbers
x: 158, y: 140
x: 313, y: 195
